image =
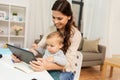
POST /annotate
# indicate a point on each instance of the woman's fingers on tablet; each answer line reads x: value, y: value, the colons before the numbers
x: 15, y: 59
x: 36, y: 65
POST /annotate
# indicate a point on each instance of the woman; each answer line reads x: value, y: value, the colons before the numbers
x: 63, y: 21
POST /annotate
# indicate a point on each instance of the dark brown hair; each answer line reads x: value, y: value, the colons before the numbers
x: 64, y: 7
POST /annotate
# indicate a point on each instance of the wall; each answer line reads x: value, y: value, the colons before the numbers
x: 16, y: 2
x: 114, y: 31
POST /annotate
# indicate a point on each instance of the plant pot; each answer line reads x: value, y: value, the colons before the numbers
x: 15, y: 18
x: 16, y: 33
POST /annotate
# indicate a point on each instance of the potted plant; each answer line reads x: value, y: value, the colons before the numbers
x: 15, y: 16
x: 17, y: 29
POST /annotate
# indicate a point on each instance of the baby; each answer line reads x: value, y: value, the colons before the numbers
x: 53, y: 52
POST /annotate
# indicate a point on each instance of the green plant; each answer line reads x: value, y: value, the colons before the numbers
x: 14, y: 13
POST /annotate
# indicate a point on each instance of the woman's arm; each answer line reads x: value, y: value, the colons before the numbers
x: 71, y: 52
x: 42, y: 64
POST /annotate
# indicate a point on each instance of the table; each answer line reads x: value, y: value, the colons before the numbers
x: 112, y: 62
x: 8, y: 72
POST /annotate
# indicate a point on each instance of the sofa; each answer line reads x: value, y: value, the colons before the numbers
x: 91, y: 57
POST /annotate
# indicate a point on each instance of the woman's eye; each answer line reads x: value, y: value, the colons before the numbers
x: 59, y: 18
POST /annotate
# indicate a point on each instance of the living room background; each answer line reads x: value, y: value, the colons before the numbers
x: 101, y: 19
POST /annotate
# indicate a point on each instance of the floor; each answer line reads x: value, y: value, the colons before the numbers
x: 94, y: 73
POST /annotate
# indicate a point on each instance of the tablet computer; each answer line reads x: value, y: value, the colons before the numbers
x: 22, y: 54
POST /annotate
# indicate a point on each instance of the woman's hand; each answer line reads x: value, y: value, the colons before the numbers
x: 38, y: 65
x: 42, y: 64
x: 15, y: 59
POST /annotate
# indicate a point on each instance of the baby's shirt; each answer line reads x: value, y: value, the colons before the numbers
x: 59, y: 57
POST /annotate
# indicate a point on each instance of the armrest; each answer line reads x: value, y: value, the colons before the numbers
x: 102, y: 49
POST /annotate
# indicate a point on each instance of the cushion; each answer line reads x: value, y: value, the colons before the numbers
x: 90, y: 45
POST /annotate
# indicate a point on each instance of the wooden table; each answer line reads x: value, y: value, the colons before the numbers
x: 112, y: 62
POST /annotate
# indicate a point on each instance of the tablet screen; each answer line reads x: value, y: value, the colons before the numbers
x: 22, y: 54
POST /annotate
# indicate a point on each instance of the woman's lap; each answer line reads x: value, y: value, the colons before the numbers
x: 66, y: 76
x: 55, y: 74
x: 58, y: 75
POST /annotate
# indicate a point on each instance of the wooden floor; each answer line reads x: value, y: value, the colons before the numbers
x: 94, y: 73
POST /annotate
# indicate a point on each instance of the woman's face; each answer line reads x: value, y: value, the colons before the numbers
x: 59, y: 19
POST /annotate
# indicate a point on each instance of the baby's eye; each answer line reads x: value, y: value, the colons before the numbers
x: 52, y: 45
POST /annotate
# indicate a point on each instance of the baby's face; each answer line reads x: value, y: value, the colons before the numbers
x: 53, y: 45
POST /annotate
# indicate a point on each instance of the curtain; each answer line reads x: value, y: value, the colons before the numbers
x: 39, y: 19
x: 96, y: 14
x: 95, y: 18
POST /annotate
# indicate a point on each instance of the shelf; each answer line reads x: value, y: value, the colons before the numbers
x: 22, y: 22
x: 8, y: 21
x: 4, y: 20
x: 3, y: 35
x: 19, y: 36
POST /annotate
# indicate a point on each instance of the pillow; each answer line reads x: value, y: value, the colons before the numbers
x: 90, y: 45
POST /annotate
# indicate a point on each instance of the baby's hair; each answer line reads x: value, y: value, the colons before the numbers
x: 57, y: 35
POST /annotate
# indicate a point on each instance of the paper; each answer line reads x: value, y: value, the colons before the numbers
x: 23, y: 67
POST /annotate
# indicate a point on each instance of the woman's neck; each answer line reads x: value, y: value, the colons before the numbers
x: 62, y: 31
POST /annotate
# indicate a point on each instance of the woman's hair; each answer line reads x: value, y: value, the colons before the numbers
x: 59, y: 36
x: 64, y: 7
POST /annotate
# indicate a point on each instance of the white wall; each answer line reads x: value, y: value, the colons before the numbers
x: 114, y: 32
x: 16, y: 2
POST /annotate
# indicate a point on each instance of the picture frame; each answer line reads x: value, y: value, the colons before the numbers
x: 2, y: 15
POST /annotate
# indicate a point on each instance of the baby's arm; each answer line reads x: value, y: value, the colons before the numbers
x: 39, y: 52
x: 60, y: 58
x: 50, y: 59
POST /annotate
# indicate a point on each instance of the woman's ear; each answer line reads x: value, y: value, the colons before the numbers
x: 69, y: 17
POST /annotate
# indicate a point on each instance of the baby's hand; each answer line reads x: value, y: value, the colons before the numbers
x: 33, y: 51
x: 34, y: 46
x: 50, y: 59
